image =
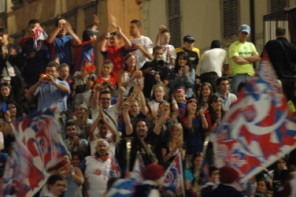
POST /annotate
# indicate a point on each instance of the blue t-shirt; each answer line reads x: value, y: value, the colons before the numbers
x: 49, y: 94
x: 61, y: 48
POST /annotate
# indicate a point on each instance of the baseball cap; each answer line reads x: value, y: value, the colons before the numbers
x: 89, y: 32
x: 188, y: 38
x: 245, y: 28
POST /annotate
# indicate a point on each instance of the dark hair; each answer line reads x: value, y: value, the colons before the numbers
x: 220, y: 79
x: 58, y: 19
x: 213, y: 98
x: 126, y: 57
x: 105, y: 92
x: 267, y: 183
x: 206, y: 84
x: 193, y: 158
x: 109, y: 62
x: 280, y: 31
x: 183, y: 55
x: 212, y: 169
x: 52, y: 64
x: 108, y: 85
x: 5, y: 84
x: 157, y: 48
x: 137, y: 22
x: 215, y: 44
x: 54, y: 178
x: 70, y: 123
x: 33, y: 21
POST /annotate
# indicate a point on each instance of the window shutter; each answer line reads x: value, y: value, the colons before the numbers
x: 230, y: 18
x: 174, y: 23
x: 89, y: 11
x: 277, y: 5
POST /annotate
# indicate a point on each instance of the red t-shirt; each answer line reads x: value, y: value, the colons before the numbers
x: 116, y: 55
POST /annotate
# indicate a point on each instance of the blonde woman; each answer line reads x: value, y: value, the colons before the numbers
x: 170, y: 149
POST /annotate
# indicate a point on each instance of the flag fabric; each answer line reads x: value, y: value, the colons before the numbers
x: 126, y: 187
x: 173, y: 178
x: 258, y: 129
x: 115, y: 169
x: 38, y: 148
x: 38, y: 35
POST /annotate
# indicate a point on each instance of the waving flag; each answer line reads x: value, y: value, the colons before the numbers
x: 38, y: 35
x: 38, y: 147
x: 258, y: 129
x: 126, y: 187
x: 115, y: 169
x: 173, y: 177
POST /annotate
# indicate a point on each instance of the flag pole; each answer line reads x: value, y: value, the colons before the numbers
x: 196, y: 188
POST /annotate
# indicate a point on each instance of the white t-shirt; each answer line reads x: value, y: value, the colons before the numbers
x: 212, y: 61
x: 97, y: 176
x: 169, y: 52
x: 147, y: 44
x: 112, y: 112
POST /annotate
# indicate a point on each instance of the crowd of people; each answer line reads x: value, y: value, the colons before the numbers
x: 150, y: 98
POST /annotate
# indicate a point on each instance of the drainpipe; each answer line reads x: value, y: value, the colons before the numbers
x: 252, y: 21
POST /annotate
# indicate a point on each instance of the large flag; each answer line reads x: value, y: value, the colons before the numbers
x: 115, y: 169
x: 258, y: 129
x: 173, y: 178
x: 126, y: 187
x: 38, y: 148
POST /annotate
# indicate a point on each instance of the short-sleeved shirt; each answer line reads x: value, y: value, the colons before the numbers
x: 147, y: 44
x: 239, y: 49
x: 49, y: 94
x: 61, y: 48
x: 116, y: 55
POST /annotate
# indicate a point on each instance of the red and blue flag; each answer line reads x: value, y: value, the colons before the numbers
x: 258, y: 129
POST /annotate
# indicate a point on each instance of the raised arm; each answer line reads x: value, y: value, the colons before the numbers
x: 34, y: 87
x: 69, y: 29
x: 125, y: 39
x: 120, y: 97
x: 54, y: 34
x: 126, y: 119
x: 165, y: 112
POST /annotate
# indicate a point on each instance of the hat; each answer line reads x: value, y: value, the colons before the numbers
x: 245, y: 28
x: 153, y: 172
x: 89, y: 32
x: 188, y: 38
x: 228, y: 175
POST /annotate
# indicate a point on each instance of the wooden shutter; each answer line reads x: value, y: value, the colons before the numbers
x: 277, y: 5
x: 230, y: 18
x: 174, y: 23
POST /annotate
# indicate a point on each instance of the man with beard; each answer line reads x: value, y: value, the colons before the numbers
x: 50, y: 90
x: 139, y: 139
x: 97, y: 170
x: 155, y: 71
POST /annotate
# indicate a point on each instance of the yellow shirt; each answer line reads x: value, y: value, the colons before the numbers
x: 241, y: 50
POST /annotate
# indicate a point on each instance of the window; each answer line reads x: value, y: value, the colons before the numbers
x: 230, y: 18
x: 174, y: 23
